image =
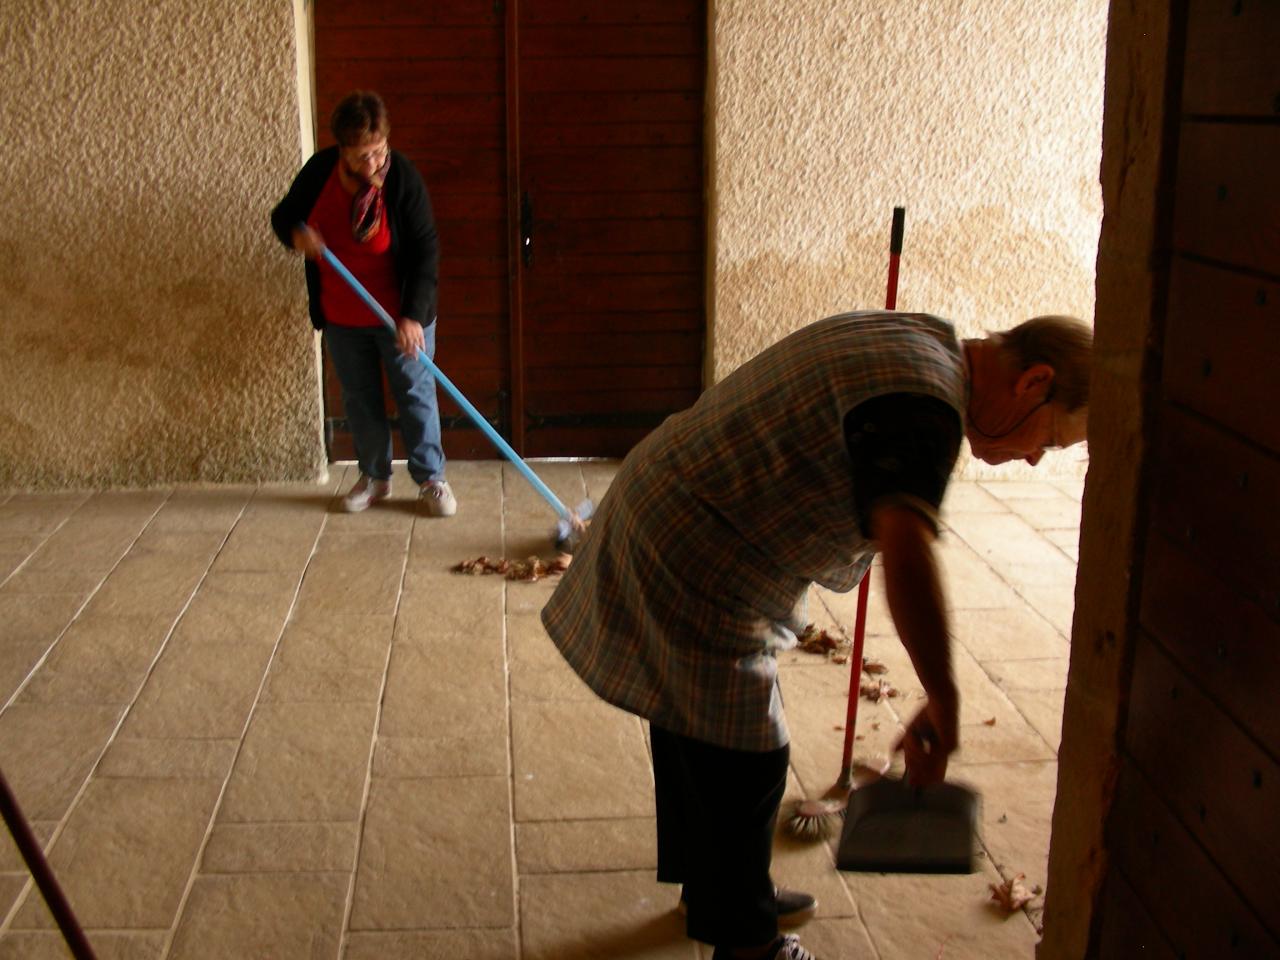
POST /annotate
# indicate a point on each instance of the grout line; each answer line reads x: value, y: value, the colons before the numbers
x: 178, y: 912
x: 344, y: 933
x: 518, y: 926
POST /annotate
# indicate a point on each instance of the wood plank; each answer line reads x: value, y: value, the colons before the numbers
x: 1226, y: 641
x: 549, y: 379
x: 458, y: 268
x: 490, y: 206
x: 1227, y: 206
x: 475, y: 238
x: 410, y: 73
x: 612, y: 350
x: 480, y: 109
x: 1222, y: 349
x: 686, y: 262
x: 627, y: 108
x: 596, y: 294
x: 612, y: 169
x: 650, y: 321
x: 474, y: 296
x: 1127, y: 928
x: 612, y: 236
x: 602, y: 442
x: 1232, y: 67
x: 420, y: 133
x: 382, y: 42
x: 594, y: 12
x: 1186, y: 894
x: 1217, y: 496
x: 1210, y: 773
x: 460, y: 170
x: 571, y: 401
x: 611, y: 40
x: 670, y: 205
x: 609, y: 74
x: 655, y: 133
x: 334, y: 13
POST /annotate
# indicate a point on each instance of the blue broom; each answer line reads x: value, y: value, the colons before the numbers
x: 571, y: 523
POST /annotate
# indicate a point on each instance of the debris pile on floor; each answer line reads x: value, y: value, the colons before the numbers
x: 534, y: 568
x: 1012, y: 895
x: 813, y: 640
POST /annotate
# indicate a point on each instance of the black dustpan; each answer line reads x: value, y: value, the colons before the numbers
x: 893, y: 827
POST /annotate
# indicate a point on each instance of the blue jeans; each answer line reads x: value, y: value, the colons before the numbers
x: 359, y: 355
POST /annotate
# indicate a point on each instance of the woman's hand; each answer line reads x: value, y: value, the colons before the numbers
x: 308, y: 242
x: 409, y: 337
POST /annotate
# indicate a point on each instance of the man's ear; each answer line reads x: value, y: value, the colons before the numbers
x: 1036, y: 380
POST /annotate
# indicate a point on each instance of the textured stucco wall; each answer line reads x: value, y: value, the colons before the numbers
x: 981, y: 117
x: 151, y: 329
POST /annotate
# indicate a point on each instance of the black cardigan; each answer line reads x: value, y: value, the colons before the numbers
x: 414, y: 246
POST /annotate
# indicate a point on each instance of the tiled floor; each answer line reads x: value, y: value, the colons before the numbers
x: 248, y: 726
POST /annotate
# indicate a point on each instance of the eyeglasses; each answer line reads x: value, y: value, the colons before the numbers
x: 375, y: 156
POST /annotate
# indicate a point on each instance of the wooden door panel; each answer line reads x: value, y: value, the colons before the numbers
x: 1216, y: 780
x: 1231, y: 62
x: 440, y: 68
x: 1222, y: 348
x: 1193, y: 903
x: 611, y: 176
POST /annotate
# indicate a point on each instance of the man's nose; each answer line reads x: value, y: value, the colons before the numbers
x: 1035, y: 458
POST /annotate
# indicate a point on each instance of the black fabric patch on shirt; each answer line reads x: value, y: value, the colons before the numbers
x: 902, y: 445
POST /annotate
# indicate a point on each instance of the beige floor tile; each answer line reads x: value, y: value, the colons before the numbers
x: 579, y: 761
x: 1043, y: 710
x: 1020, y: 489
x: 199, y: 690
x: 1047, y: 513
x: 441, y: 752
x: 1007, y: 741
x: 584, y: 846
x: 125, y: 854
x: 37, y: 514
x: 221, y: 618
x: 530, y: 597
x: 94, y: 545
x: 301, y: 761
x: 1048, y: 674
x: 152, y: 584
x: 416, y: 945
x: 449, y: 609
x: 9, y: 562
x: 106, y: 944
x: 969, y: 497
x: 1017, y: 812
x: 586, y: 916
x: 361, y: 582
x: 1071, y: 486
x: 157, y: 543
x: 11, y: 887
x: 1012, y: 547
x: 281, y: 848
x: 48, y: 750
x: 198, y: 508
x: 436, y: 853
x: 1068, y: 541
x: 30, y: 581
x: 282, y: 916
x: 969, y: 583
x: 35, y: 620
x: 1008, y: 633
x: 917, y: 916
x: 17, y: 660
x: 168, y: 759
x: 538, y: 671
x: 265, y: 550
x: 330, y: 660
x: 11, y: 860
x: 101, y: 658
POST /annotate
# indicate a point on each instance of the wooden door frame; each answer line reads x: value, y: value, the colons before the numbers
x: 515, y: 276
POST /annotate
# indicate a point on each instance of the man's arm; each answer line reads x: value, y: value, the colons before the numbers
x: 913, y: 589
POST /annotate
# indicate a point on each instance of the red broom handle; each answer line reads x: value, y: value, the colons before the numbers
x: 864, y: 588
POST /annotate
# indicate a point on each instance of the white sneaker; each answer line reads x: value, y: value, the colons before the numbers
x: 365, y: 492
x: 439, y: 498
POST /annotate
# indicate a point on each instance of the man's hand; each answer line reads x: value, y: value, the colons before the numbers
x: 914, y: 592
x: 409, y: 337
x: 308, y: 242
x: 930, y: 739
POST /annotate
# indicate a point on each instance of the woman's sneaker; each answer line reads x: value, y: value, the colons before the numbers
x: 365, y: 492
x: 439, y: 499
x: 786, y: 948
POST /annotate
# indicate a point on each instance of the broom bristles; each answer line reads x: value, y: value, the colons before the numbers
x: 815, y: 819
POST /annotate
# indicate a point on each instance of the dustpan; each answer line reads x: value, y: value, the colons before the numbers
x: 893, y: 827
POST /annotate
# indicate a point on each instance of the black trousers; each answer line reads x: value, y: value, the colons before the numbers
x: 717, y: 809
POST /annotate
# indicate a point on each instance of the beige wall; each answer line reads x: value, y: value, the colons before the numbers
x: 981, y: 117
x: 152, y: 331
x: 151, y: 328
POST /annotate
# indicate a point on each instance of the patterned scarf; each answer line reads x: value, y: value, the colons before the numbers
x: 367, y: 206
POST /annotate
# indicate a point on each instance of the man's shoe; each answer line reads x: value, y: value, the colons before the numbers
x: 365, y: 492
x: 794, y: 908
x: 439, y: 499
x: 785, y: 948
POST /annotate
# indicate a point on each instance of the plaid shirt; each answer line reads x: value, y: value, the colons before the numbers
x: 697, y: 566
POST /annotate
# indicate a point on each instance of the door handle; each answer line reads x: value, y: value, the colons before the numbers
x: 526, y: 229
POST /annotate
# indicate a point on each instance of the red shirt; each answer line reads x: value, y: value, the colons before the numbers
x: 371, y: 262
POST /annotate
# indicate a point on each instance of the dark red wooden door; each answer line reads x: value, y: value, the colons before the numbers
x: 561, y: 142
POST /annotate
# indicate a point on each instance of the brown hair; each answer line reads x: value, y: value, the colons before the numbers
x: 1065, y: 344
x: 359, y: 115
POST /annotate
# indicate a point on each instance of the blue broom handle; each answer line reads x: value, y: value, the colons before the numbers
x: 454, y: 392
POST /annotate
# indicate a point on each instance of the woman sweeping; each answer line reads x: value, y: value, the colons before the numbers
x: 368, y: 204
